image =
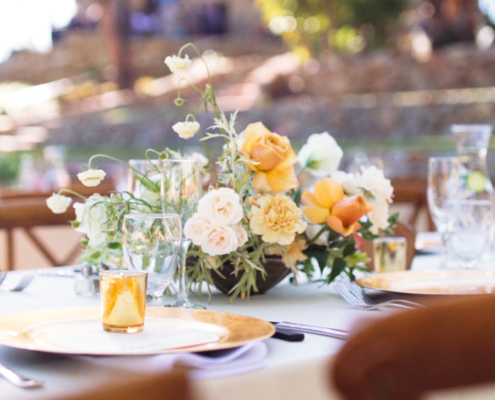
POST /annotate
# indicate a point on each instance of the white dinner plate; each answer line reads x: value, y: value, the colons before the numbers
x: 444, y: 282
x: 78, y: 330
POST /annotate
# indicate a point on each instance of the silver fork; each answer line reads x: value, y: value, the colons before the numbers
x: 359, y: 303
x: 19, y: 380
x: 2, y: 276
x: 21, y: 285
x: 358, y: 292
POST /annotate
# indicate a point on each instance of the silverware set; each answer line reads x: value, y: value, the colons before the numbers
x: 19, y: 286
x: 355, y: 296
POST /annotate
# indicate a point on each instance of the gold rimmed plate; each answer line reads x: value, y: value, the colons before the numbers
x: 78, y: 330
x: 437, y: 282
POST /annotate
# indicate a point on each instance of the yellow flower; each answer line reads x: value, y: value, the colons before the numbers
x: 277, y: 219
x: 329, y: 204
x: 274, y: 156
x: 317, y: 205
x: 294, y: 250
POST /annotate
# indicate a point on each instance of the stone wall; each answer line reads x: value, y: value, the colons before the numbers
x: 84, y: 53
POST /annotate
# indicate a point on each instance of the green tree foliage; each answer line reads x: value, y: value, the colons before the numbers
x: 312, y: 26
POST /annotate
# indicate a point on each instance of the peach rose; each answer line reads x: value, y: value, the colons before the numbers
x: 274, y: 156
x: 346, y: 213
x: 329, y: 204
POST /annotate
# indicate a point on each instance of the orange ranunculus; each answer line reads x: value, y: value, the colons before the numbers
x: 318, y: 205
x: 345, y: 214
x: 275, y: 157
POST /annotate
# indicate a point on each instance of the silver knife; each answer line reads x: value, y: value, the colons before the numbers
x: 317, y: 330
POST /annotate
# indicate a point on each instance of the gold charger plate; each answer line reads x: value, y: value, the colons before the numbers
x: 35, y: 329
x: 443, y: 282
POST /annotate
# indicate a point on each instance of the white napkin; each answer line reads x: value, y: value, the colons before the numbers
x: 208, y: 365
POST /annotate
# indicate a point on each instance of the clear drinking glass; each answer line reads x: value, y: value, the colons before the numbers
x: 443, y: 187
x: 470, y: 223
x: 151, y: 243
x: 181, y: 190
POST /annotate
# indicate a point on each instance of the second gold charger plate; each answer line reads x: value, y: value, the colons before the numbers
x: 437, y: 282
x: 77, y: 330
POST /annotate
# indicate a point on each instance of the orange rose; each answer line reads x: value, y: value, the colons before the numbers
x: 329, y: 204
x: 275, y: 159
x: 346, y: 213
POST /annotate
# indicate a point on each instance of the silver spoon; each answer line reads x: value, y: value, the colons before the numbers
x: 18, y: 380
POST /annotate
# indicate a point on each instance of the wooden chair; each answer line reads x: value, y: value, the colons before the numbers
x: 26, y: 214
x: 170, y: 386
x: 28, y: 210
x: 447, y: 345
x: 412, y: 191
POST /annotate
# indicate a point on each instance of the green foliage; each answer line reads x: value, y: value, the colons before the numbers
x: 9, y: 168
x: 312, y: 26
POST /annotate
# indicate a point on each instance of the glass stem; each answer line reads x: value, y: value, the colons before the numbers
x: 444, y: 234
x: 183, y: 292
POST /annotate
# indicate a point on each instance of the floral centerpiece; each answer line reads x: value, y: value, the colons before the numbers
x: 255, y: 209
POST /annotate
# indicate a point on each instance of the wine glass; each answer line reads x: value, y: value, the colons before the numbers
x: 180, y: 192
x: 443, y: 186
x: 151, y: 243
x: 469, y: 226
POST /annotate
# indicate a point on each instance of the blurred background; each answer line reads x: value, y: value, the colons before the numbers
x: 386, y: 78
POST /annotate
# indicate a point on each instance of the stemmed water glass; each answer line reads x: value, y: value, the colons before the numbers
x: 443, y: 187
x: 180, y: 192
x: 151, y: 242
x: 470, y: 223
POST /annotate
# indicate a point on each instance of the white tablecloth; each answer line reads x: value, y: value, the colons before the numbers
x: 293, y: 371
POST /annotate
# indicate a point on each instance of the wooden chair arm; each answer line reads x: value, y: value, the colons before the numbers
x: 30, y: 212
x: 404, y: 356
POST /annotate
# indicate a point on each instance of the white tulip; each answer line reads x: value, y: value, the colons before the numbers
x: 91, y: 177
x: 58, y: 203
x: 186, y: 129
x: 178, y: 64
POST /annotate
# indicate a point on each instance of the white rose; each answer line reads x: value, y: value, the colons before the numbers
x: 221, y: 206
x: 194, y: 228
x: 219, y: 241
x: 186, y: 129
x: 92, y: 218
x: 373, y: 180
x: 242, y: 236
x: 91, y: 177
x: 58, y: 203
x: 320, y: 155
x: 379, y: 216
x: 312, y: 230
x: 178, y: 64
